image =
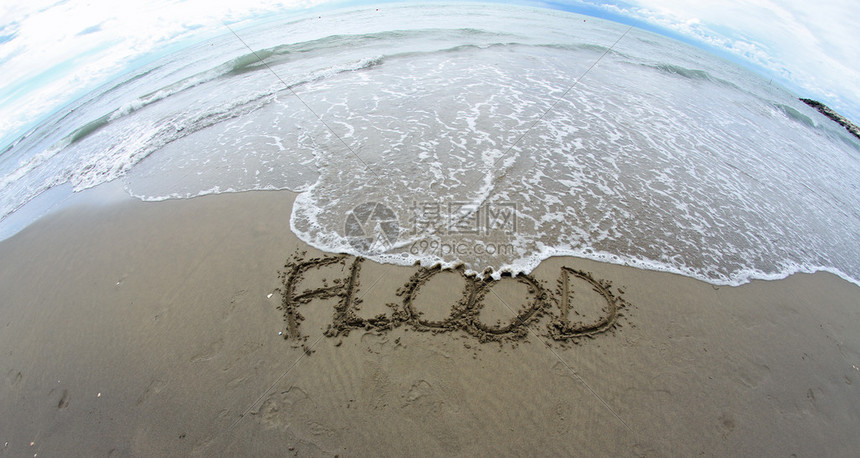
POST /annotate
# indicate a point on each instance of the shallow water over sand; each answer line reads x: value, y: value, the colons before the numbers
x: 492, y: 136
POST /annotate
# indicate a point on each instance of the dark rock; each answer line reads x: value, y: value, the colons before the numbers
x: 827, y: 111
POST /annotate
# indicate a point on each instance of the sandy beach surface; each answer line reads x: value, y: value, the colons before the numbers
x: 140, y: 329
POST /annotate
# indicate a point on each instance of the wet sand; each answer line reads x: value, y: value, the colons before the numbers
x: 142, y: 329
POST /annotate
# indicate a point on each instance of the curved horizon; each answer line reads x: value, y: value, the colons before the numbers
x: 63, y: 51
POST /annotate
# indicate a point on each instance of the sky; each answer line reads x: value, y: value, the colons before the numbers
x: 54, y: 51
x: 811, y: 47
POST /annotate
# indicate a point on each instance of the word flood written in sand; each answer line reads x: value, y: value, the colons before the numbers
x: 580, y: 306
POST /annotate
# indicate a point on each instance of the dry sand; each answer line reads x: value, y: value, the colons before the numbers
x: 145, y: 329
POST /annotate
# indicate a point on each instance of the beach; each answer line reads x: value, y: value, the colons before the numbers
x: 135, y: 328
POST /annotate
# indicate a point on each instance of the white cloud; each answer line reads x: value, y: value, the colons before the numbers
x: 45, y: 33
x: 810, y: 46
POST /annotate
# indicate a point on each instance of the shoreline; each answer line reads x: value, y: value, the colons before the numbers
x: 152, y: 328
x: 60, y: 198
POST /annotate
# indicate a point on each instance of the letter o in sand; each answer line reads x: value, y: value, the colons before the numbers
x: 460, y: 308
x: 516, y: 327
x: 465, y: 310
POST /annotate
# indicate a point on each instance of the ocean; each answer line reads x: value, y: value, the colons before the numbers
x: 486, y: 136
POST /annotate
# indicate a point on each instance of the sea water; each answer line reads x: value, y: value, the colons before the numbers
x: 489, y: 136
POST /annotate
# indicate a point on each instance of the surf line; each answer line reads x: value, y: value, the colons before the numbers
x: 539, y: 303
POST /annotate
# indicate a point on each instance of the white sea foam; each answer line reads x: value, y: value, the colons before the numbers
x: 661, y: 157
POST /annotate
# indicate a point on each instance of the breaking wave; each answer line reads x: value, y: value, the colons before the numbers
x: 661, y: 157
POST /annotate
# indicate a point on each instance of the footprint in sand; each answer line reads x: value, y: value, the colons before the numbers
x: 374, y: 342
x: 235, y: 301
x: 209, y: 352
x: 64, y: 400
x: 375, y: 389
x: 563, y: 412
x: 560, y: 369
x: 242, y: 355
x: 752, y: 375
x: 236, y: 382
x: 727, y: 424
x: 422, y: 395
x: 13, y: 377
x: 279, y: 408
x: 153, y: 388
x: 292, y: 411
x: 419, y: 389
